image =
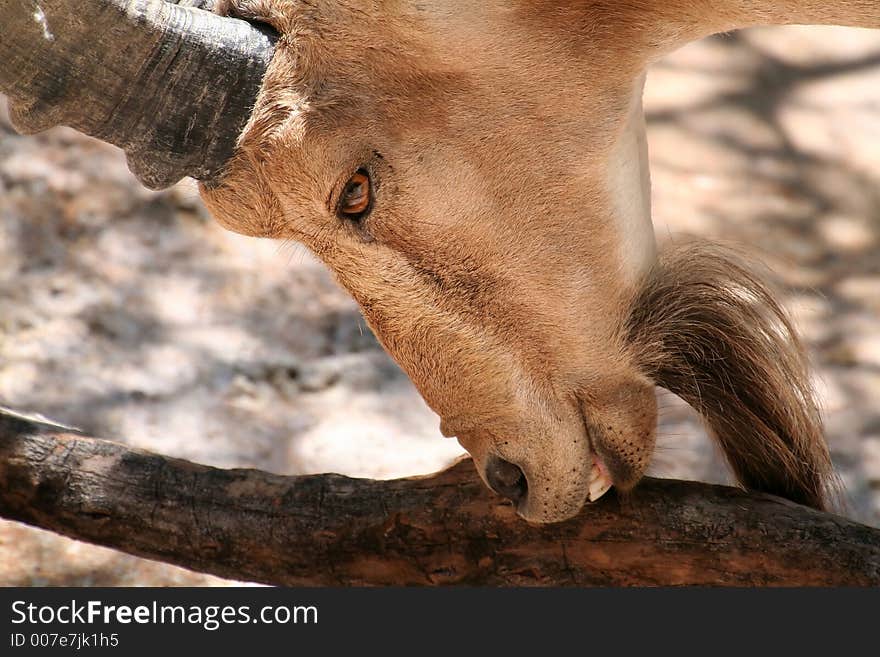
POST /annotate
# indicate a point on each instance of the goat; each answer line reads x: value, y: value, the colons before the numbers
x: 476, y: 176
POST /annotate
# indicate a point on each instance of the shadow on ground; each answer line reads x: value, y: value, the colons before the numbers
x: 132, y: 315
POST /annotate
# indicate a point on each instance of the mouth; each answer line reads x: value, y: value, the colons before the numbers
x: 600, y: 479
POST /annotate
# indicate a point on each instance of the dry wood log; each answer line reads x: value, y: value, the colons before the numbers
x: 443, y: 529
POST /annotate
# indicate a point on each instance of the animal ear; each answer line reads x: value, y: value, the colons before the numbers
x: 705, y: 327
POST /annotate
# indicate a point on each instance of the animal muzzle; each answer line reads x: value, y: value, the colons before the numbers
x: 508, y: 479
x: 547, y: 485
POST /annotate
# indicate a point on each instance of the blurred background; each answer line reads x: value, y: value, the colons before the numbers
x: 131, y: 315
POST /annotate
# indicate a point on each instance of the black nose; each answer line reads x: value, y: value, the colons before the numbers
x: 506, y: 479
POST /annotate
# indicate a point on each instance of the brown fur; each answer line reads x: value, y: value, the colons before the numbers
x: 708, y: 329
x: 511, y: 231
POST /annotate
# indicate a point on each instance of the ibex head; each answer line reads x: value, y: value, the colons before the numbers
x: 475, y: 174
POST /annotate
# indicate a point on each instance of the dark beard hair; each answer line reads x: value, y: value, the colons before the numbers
x: 705, y: 327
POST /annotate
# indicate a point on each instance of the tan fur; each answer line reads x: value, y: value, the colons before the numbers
x: 502, y: 259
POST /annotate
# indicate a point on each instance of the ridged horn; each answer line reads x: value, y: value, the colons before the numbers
x: 169, y: 83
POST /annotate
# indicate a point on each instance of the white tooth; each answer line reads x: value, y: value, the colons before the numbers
x: 599, y: 487
x: 595, y: 473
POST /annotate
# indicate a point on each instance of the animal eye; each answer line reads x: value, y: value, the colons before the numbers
x: 356, y: 197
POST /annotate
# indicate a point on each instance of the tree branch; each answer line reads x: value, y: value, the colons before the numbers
x: 443, y: 529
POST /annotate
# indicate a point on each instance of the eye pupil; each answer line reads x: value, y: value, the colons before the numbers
x: 356, y: 196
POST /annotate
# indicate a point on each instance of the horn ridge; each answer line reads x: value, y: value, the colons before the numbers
x: 171, y: 84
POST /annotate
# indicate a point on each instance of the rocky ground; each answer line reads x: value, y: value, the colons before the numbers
x: 130, y: 314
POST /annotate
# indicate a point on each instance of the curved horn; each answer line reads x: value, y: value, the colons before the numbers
x: 173, y: 86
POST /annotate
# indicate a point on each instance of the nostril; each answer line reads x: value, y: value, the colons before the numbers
x: 506, y: 479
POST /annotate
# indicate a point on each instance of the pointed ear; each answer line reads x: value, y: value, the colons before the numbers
x: 705, y: 327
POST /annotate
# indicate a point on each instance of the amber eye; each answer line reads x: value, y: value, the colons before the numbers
x: 355, y: 199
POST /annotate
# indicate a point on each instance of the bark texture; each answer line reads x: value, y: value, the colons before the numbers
x: 443, y: 529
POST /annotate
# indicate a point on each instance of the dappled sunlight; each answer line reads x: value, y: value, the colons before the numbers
x: 131, y: 314
x: 778, y: 148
